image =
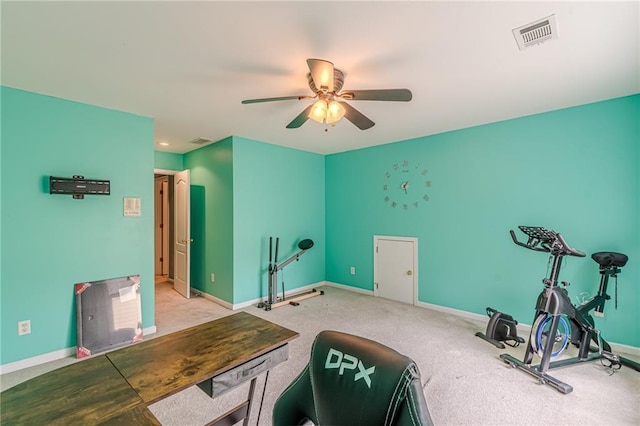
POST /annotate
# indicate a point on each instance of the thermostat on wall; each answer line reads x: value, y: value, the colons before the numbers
x: 131, y: 206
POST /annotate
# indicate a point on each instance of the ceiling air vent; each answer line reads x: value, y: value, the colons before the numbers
x: 536, y: 32
x: 200, y: 141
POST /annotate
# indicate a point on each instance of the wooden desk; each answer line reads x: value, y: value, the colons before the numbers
x: 87, y: 392
x: 119, y: 385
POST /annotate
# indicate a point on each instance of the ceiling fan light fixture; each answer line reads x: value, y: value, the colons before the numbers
x: 324, y: 112
x: 319, y: 111
x: 326, y: 81
x: 335, y: 112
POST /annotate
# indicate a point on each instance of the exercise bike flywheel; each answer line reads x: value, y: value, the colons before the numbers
x: 540, y: 332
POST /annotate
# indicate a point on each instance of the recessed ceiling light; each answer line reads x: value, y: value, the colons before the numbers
x: 163, y: 143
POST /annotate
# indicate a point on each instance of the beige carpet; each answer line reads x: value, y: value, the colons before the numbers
x: 465, y: 382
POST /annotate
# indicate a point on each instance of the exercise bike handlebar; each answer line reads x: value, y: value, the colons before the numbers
x: 570, y: 250
x: 541, y: 239
x: 528, y: 246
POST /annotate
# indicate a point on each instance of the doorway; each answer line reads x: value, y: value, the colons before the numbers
x: 172, y: 236
x: 395, y: 268
x: 162, y: 227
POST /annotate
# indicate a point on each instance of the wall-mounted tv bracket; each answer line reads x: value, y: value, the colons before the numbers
x: 78, y: 186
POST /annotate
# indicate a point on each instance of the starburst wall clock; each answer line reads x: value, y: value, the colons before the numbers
x: 406, y: 185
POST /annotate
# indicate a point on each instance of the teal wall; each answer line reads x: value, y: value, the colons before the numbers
x: 573, y: 170
x: 51, y: 242
x: 242, y: 192
x: 278, y: 192
x: 212, y: 218
x: 168, y: 161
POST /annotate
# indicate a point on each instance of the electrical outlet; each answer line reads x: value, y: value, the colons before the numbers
x: 213, y: 278
x: 24, y: 327
x: 353, y: 270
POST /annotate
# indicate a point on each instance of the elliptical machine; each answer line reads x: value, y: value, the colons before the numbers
x: 273, y: 301
x: 557, y: 321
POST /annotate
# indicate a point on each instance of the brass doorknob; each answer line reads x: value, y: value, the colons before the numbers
x: 409, y: 272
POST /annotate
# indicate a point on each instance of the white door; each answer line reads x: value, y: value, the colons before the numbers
x: 182, y: 233
x: 395, y: 268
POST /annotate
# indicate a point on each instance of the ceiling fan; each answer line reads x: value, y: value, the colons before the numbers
x: 326, y: 83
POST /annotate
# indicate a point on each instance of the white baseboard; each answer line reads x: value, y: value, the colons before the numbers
x: 214, y: 299
x: 452, y: 311
x: 349, y: 288
x: 246, y: 304
x: 289, y: 294
x: 10, y: 367
x: 625, y: 349
x: 149, y: 330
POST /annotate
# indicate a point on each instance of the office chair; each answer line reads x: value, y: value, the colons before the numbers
x: 350, y: 380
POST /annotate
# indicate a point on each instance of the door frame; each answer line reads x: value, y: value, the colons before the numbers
x: 172, y: 173
x: 166, y: 172
x: 414, y: 240
x: 161, y: 214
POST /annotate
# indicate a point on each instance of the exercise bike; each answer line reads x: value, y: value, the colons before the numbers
x: 557, y: 321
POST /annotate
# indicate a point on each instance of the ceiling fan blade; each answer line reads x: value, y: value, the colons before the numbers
x: 282, y: 98
x: 399, y: 95
x: 356, y: 117
x: 321, y: 73
x: 300, y: 119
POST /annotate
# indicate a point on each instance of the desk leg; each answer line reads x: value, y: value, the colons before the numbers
x: 252, y: 389
x: 264, y: 390
x: 238, y: 413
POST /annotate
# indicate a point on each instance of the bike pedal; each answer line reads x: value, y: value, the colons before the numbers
x: 611, y: 357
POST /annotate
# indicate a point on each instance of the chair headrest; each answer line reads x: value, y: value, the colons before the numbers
x: 356, y: 378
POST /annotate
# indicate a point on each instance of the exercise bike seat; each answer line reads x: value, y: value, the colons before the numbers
x: 608, y: 258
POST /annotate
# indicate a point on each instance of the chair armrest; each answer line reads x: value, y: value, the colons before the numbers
x: 414, y: 410
x: 295, y: 404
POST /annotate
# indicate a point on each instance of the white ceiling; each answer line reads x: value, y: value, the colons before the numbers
x: 189, y: 64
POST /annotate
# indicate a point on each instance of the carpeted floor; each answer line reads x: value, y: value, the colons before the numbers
x: 464, y: 381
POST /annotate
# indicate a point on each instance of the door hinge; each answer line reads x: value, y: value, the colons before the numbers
x: 376, y: 249
x: 376, y: 284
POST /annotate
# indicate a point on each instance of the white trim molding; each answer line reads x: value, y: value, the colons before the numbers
x: 10, y: 367
x: 349, y: 288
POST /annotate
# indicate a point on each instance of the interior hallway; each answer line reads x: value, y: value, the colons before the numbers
x: 174, y: 312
